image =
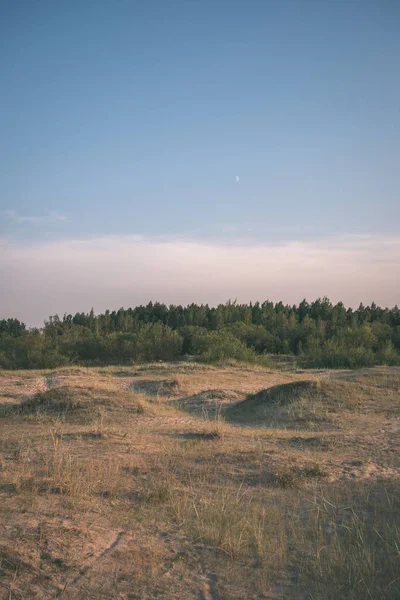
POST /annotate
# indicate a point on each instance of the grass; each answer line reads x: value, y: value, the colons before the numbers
x: 352, y: 537
x: 310, y: 404
x: 337, y: 542
x: 60, y: 472
x: 107, y: 491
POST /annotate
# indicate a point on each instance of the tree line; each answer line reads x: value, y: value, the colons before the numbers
x: 318, y: 334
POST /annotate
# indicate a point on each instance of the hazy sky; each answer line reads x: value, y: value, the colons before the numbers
x: 196, y: 151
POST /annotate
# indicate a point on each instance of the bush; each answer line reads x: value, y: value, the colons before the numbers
x: 220, y: 345
x: 158, y: 342
x: 254, y: 336
x: 193, y: 339
x: 334, y: 354
x: 388, y: 355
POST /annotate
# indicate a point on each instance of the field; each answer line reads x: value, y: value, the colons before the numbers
x: 190, y: 481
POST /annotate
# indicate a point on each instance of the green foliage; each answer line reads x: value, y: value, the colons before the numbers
x: 29, y: 351
x: 11, y: 327
x: 387, y: 354
x: 221, y: 345
x: 193, y: 339
x: 319, y: 333
x: 335, y: 354
x: 152, y: 342
x: 158, y: 342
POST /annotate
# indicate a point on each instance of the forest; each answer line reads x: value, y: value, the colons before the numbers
x: 316, y: 334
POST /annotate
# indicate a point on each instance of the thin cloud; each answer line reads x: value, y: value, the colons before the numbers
x: 51, y: 217
x: 39, y: 279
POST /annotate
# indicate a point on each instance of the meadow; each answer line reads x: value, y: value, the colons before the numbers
x: 189, y: 480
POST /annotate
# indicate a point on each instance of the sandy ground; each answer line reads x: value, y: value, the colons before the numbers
x: 85, y: 497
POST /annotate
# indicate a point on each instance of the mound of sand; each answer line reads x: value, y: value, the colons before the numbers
x: 67, y: 400
x: 294, y: 404
x: 56, y: 400
x: 166, y: 387
x: 210, y: 400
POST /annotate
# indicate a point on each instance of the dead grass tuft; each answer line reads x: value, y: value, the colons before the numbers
x: 289, y: 476
x: 58, y: 471
x: 57, y: 400
x: 164, y: 388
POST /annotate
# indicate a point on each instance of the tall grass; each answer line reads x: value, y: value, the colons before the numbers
x: 317, y: 541
x: 55, y: 470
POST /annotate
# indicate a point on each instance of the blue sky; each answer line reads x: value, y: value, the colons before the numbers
x: 123, y: 118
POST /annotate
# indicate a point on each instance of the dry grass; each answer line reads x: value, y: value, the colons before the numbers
x: 314, y: 404
x: 108, y: 489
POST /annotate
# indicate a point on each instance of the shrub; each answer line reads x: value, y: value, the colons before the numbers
x: 220, y: 345
x: 158, y: 342
x: 388, y: 355
x: 193, y: 339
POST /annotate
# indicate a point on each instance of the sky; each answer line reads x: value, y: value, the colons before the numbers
x: 198, y: 151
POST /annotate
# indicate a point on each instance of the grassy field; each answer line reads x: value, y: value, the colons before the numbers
x: 189, y: 481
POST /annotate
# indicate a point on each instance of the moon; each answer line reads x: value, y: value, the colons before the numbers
x: 237, y: 178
